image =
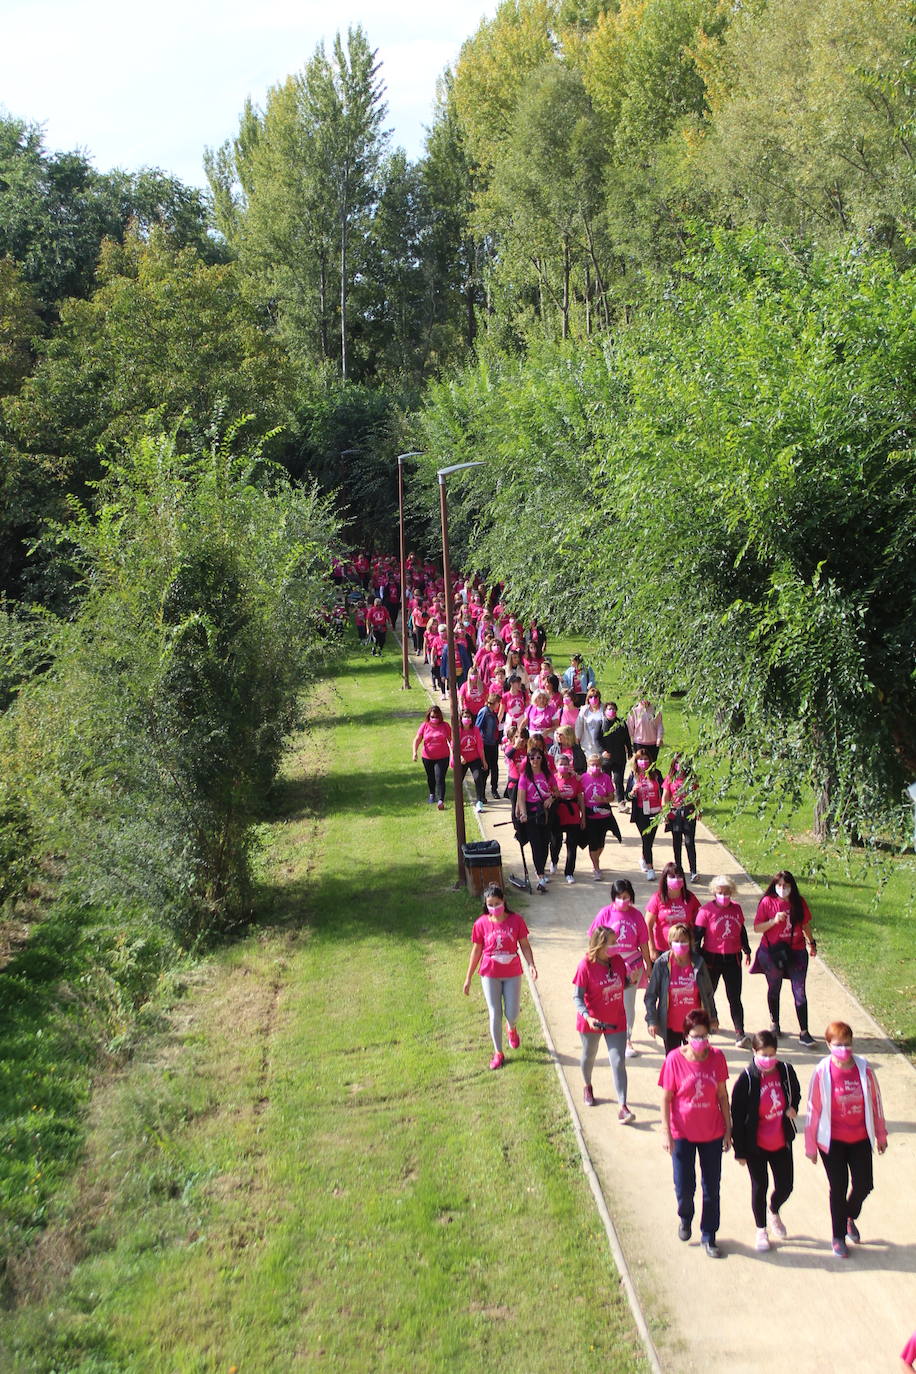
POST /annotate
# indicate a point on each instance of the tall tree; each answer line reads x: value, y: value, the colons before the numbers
x: 343, y: 110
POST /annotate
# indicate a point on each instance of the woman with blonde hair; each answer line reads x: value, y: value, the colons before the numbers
x: 599, y: 986
x: 720, y: 932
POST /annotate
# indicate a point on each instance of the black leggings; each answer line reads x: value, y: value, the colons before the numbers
x: 728, y: 968
x: 436, y: 770
x: 537, y: 835
x: 491, y: 753
x: 687, y: 837
x: 479, y: 774
x: 647, y: 826
x: 572, y: 835
x: 782, y: 1169
x: 847, y: 1165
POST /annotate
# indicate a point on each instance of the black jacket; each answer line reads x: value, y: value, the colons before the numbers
x: 746, y: 1106
x: 614, y: 739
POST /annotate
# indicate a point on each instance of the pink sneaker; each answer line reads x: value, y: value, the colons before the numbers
x: 498, y: 1060
x: 514, y: 1038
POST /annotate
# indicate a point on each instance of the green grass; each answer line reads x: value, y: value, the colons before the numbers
x: 314, y: 1168
x: 863, y: 907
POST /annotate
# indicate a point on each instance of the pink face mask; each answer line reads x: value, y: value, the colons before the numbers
x: 611, y: 714
x: 765, y: 1062
x: 497, y: 910
x: 622, y: 902
x: 842, y: 1052
x: 675, y: 884
x: 642, y: 763
x: 679, y: 946
x: 723, y: 898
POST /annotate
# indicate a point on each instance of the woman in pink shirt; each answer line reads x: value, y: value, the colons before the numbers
x: 472, y: 694
x: 845, y: 1125
x: 784, y: 923
x: 673, y: 904
x: 765, y: 1102
x: 680, y: 792
x: 496, y: 938
x: 599, y: 986
x: 720, y: 932
x: 515, y: 751
x: 435, y: 736
x: 533, y: 800
x: 632, y: 940
x: 567, y: 816
x: 541, y: 717
x: 696, y: 1121
x: 472, y: 758
x: 598, y: 792
x: 644, y: 791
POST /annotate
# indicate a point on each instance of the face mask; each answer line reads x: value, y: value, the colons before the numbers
x: 782, y: 890
x: 675, y: 884
x: 594, y: 768
x: 593, y: 701
x: 765, y: 1062
x: 611, y: 715
x: 842, y: 1052
x: 723, y: 898
x: 621, y: 902
x: 563, y: 767
x: 642, y: 763
x: 497, y: 910
x: 679, y: 947
x: 698, y: 1043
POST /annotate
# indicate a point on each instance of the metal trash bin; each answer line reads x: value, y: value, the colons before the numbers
x: 483, y: 864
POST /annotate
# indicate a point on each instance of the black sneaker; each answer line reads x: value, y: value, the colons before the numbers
x: 683, y: 1231
x: 712, y: 1249
x: 808, y: 1040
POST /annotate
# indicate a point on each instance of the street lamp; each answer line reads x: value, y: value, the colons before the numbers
x: 416, y: 453
x: 452, y: 675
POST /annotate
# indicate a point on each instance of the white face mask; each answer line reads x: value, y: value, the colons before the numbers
x: 782, y: 890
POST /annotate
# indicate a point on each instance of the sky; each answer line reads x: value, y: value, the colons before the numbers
x: 152, y: 85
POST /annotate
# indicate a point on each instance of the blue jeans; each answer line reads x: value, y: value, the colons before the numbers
x: 683, y: 1160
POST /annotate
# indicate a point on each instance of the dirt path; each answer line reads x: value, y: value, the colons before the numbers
x: 796, y: 1305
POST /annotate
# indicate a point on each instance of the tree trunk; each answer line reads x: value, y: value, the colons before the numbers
x: 566, y: 273
x: 343, y: 293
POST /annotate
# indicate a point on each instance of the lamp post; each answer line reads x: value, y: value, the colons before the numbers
x: 404, y: 670
x: 452, y: 684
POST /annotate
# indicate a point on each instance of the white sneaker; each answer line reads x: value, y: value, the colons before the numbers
x: 776, y: 1225
x: 596, y: 874
x: 642, y: 865
x: 763, y: 1241
x: 550, y: 867
x: 478, y: 807
x: 693, y: 877
x: 570, y: 879
x: 630, y: 1052
x: 649, y: 872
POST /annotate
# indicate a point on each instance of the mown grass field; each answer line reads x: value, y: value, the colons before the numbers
x: 313, y: 1167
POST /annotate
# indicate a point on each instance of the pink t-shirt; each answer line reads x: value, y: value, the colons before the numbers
x: 723, y: 926
x: 683, y: 993
x: 514, y: 705
x: 785, y: 932
x: 500, y: 939
x: 598, y: 790
x: 541, y: 719
x: 770, y: 1134
x: 569, y: 714
x: 630, y: 928
x: 847, y: 1105
x: 470, y: 742
x: 695, y: 1111
x: 569, y: 789
x: 535, y: 789
x: 908, y: 1353
x: 436, y: 738
x: 672, y: 913
x: 602, y: 987
x: 472, y: 700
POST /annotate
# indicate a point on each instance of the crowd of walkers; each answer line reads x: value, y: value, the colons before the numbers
x: 570, y: 759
